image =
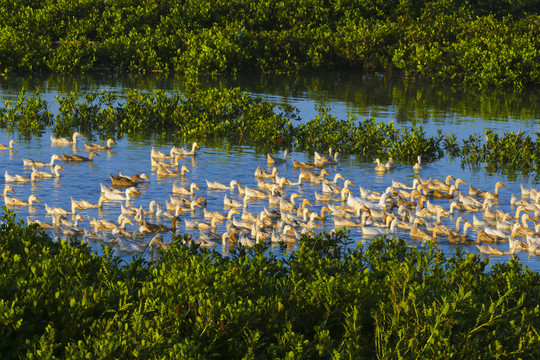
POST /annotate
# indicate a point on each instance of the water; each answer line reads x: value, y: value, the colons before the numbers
x: 459, y: 111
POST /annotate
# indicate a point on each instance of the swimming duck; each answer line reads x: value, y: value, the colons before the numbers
x: 83, y: 204
x: 11, y: 201
x: 20, y: 178
x: 44, y: 174
x: 227, y: 201
x: 330, y: 160
x: 390, y: 164
x: 261, y: 173
x: 128, y: 193
x: 327, y: 188
x: 418, y: 165
x: 35, y: 163
x: 79, y: 158
x: 219, y: 186
x: 59, y: 210
x: 305, y: 165
x: 65, y: 141
x: 182, y: 190
x: 380, y: 168
x: 319, y: 178
x: 191, y: 152
x: 162, y: 156
x: 100, y: 147
x: 486, y: 194
x: 272, y: 160
x: 8, y: 147
x: 6, y: 189
x: 124, y: 181
x: 162, y: 162
x: 163, y: 171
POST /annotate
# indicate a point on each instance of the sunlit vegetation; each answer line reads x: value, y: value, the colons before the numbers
x: 224, y: 117
x: 479, y: 43
x: 325, y: 300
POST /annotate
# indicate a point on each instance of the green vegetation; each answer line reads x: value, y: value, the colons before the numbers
x: 479, y: 43
x: 223, y: 117
x: 326, y: 300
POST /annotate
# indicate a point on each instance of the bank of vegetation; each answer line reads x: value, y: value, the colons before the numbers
x: 58, y: 299
x: 225, y: 117
x: 473, y: 42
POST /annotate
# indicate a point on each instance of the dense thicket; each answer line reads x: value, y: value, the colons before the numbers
x: 326, y: 300
x: 476, y: 42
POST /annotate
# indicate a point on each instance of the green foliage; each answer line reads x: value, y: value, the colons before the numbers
x: 326, y: 300
x: 29, y: 115
x: 481, y: 43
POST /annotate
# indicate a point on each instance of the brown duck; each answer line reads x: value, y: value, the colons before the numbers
x: 126, y: 181
x: 79, y: 158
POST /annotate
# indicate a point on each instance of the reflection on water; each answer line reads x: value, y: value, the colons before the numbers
x: 459, y: 111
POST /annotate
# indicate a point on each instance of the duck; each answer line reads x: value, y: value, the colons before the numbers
x: 216, y: 214
x: 150, y: 227
x: 83, y: 204
x: 59, y: 210
x: 219, y: 186
x: 418, y: 165
x: 461, y: 238
x: 288, y: 205
x: 332, y: 198
x: 182, y: 190
x: 261, y: 173
x: 100, y: 147
x: 330, y: 160
x: 128, y: 193
x: 416, y: 233
x: 380, y: 168
x: 202, y: 225
x: 35, y: 163
x: 9, y: 146
x: 272, y: 160
x: 327, y: 188
x: 175, y: 162
x: 79, y: 158
x: 7, y: 188
x: 55, y: 173
x: 286, y: 182
x: 315, y: 178
x: 390, y: 164
x: 20, y: 178
x: 378, y: 231
x: 486, y: 194
x: 65, y: 141
x: 191, y: 152
x: 11, y: 201
x: 163, y: 171
x: 155, y: 154
x: 490, y: 250
x: 305, y: 165
x: 227, y: 201
x: 124, y: 181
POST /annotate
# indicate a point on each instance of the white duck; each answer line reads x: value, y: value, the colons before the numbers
x: 65, y: 141
x: 30, y: 162
x: 20, y: 178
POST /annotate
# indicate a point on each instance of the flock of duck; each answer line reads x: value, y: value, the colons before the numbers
x: 438, y: 210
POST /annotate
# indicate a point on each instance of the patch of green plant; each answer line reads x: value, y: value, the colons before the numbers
x: 328, y: 299
x: 29, y: 115
x: 480, y: 43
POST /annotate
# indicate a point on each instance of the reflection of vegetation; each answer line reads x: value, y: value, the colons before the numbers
x: 479, y: 43
x: 325, y: 300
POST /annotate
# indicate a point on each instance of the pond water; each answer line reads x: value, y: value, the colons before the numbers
x: 462, y: 112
